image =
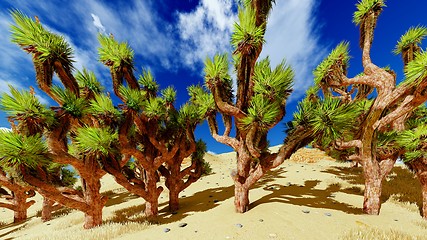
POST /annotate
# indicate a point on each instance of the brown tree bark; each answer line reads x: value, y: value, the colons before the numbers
x: 241, y: 197
x: 47, y: 209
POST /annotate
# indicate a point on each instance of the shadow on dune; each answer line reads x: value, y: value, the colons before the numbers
x: 16, y: 227
x: 117, y: 198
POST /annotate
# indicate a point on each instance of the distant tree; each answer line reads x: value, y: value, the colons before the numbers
x: 17, y: 196
x: 152, y: 133
x: 371, y: 142
x: 68, y: 135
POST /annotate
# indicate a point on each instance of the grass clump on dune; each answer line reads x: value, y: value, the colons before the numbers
x: 377, y: 234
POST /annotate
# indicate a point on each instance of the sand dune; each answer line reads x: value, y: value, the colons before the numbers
x: 298, y: 200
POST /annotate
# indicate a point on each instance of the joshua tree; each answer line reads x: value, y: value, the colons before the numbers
x: 155, y: 134
x: 259, y: 104
x: 178, y: 179
x: 387, y: 110
x: 17, y: 196
x: 68, y: 135
x: 413, y: 143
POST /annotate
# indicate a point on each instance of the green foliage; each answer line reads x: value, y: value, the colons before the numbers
x: 68, y: 177
x: 169, y: 94
x: 189, y: 114
x: 24, y: 105
x: 416, y: 70
x: 199, y: 155
x: 146, y: 79
x: 75, y: 106
x: 216, y: 71
x: 17, y: 150
x: 87, y: 79
x: 29, y: 34
x: 155, y: 108
x: 203, y: 100
x: 273, y: 84
x: 366, y: 7
x: 113, y: 53
x: 261, y: 111
x: 333, y: 65
x: 134, y: 98
x: 330, y: 119
x: 412, y: 37
x: 103, y: 105
x: 413, y: 141
x: 97, y: 141
x: 246, y: 35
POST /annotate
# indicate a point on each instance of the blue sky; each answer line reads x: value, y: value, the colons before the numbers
x: 173, y: 37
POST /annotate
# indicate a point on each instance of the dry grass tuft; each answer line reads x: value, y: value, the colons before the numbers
x: 396, y: 199
x: 421, y: 223
x: 2, y: 224
x: 309, y: 155
x: 377, y: 234
x: 130, y: 214
x: 106, y: 231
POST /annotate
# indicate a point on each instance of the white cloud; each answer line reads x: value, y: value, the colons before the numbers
x: 97, y: 23
x: 206, y: 30
x: 291, y: 35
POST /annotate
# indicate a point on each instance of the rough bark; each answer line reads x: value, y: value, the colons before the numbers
x: 47, y: 209
x: 241, y: 197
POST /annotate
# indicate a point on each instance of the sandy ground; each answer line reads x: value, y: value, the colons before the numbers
x: 298, y: 200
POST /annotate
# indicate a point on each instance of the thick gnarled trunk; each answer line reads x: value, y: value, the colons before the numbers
x: 241, y: 197
x: 372, y: 195
x: 93, y: 198
x: 152, y: 200
x: 47, y: 209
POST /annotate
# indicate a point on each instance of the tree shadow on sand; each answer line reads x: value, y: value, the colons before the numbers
x: 307, y: 195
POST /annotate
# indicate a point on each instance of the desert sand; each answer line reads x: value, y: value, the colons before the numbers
x: 299, y: 200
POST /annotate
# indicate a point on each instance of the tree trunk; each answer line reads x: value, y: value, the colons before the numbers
x: 20, y: 202
x: 152, y: 201
x: 173, y: 198
x: 20, y: 215
x: 94, y: 199
x: 47, y: 209
x: 424, y: 191
x: 151, y: 207
x: 241, y: 197
x: 373, y: 187
x: 94, y: 217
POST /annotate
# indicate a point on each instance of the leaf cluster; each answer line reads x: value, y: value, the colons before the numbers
x: 113, y: 53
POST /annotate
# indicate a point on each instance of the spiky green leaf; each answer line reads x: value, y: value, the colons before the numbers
x: 335, y: 64
x: 114, y: 53
x: 364, y: 7
x: 96, y: 141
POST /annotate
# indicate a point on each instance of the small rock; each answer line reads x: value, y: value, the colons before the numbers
x: 272, y: 235
x: 396, y: 220
x: 261, y: 220
x: 182, y: 225
x: 183, y: 196
x: 166, y: 230
x: 227, y: 237
x: 210, y: 196
x: 216, y: 200
x: 306, y: 211
x: 173, y: 213
x: 297, y: 171
x: 48, y: 224
x: 239, y: 225
x: 207, y: 182
x: 328, y: 214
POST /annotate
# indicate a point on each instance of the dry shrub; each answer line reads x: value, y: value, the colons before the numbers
x: 309, y: 155
x: 130, y: 214
x: 412, y: 207
x: 106, y: 231
x: 370, y: 233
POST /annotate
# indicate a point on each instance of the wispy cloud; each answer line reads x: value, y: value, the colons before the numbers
x: 97, y: 23
x: 291, y: 35
x: 206, y: 30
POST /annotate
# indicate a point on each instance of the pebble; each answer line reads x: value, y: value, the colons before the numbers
x: 173, y: 213
x: 215, y: 201
x: 210, y: 196
x: 239, y: 225
x: 328, y: 214
x: 182, y: 225
x: 272, y: 235
x: 261, y: 220
x: 306, y: 211
x: 183, y: 196
x: 166, y: 230
x: 396, y: 220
